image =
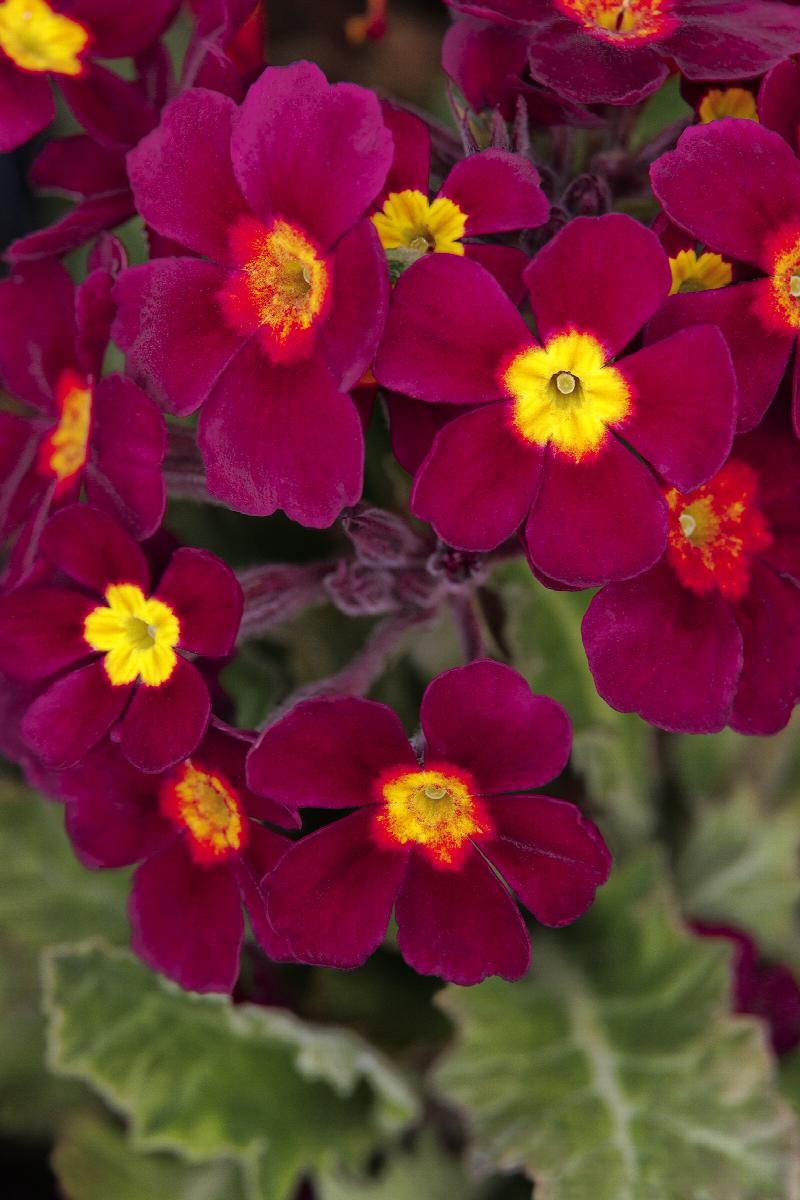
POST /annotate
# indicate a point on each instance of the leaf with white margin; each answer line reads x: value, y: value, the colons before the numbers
x: 613, y: 1071
x: 205, y: 1078
x: 424, y: 1173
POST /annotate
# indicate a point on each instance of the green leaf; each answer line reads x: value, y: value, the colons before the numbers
x: 619, y: 1073
x: 94, y: 1160
x: 206, y: 1078
x: 664, y: 108
x: 425, y: 1173
x: 740, y: 867
x: 45, y: 896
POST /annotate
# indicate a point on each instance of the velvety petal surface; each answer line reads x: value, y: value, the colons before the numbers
x: 478, y: 481
x: 170, y: 324
x: 657, y: 649
x: 187, y: 921
x: 73, y: 715
x: 685, y: 405
x: 769, y: 685
x: 411, y: 164
x: 37, y: 331
x: 779, y: 102
x: 461, y: 925
x: 350, y: 335
x: 734, y: 40
x: 264, y: 851
x: 732, y: 184
x: 41, y: 630
x: 598, y: 519
x: 182, y: 177
x: 328, y: 753
x: 281, y: 437
x: 583, y: 68
x: 112, y: 110
x: 552, y: 856
x: 497, y: 191
x: 93, y: 549
x: 600, y: 275
x: 485, y: 718
x: 165, y: 724
x: 205, y: 595
x: 282, y: 150
x: 26, y: 105
x: 450, y: 329
x: 332, y: 895
x: 506, y: 263
x: 759, y: 352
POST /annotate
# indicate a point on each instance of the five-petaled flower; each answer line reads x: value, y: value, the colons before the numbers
x: 116, y: 645
x: 711, y: 635
x: 282, y: 315
x: 561, y: 424
x: 619, y: 51
x: 103, y: 434
x: 426, y: 838
x: 197, y: 832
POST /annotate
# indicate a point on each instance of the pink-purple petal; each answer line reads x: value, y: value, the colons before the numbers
x: 41, y: 630
x: 73, y: 715
x: 93, y: 549
x: 769, y: 685
x: 26, y: 104
x: 605, y: 276
x: 206, y: 597
x: 332, y: 895
x: 360, y: 300
x: 497, y: 191
x: 187, y: 920
x: 165, y: 724
x: 461, y: 925
x: 484, y: 717
x: 590, y: 70
x: 478, y: 482
x: 411, y: 164
x: 552, y: 856
x: 328, y: 753
x: 37, y: 331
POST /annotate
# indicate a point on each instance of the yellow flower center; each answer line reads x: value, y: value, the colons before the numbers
x: 137, y: 634
x: 38, y: 39
x: 693, y: 272
x: 566, y: 394
x: 63, y: 451
x: 435, y: 810
x: 786, y: 284
x: 409, y: 221
x: 205, y: 806
x: 729, y: 102
x: 627, y: 20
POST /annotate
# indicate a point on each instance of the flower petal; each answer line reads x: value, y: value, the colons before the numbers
x: 461, y: 925
x: 205, y: 595
x: 165, y: 724
x: 93, y: 549
x: 497, y: 191
x: 26, y: 105
x: 349, y: 337
x: 41, y: 631
x: 37, y: 331
x: 73, y: 715
x: 328, y: 753
x: 264, y: 851
x: 769, y: 685
x: 332, y: 895
x: 485, y: 718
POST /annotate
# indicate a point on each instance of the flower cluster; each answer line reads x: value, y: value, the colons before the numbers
x: 608, y: 397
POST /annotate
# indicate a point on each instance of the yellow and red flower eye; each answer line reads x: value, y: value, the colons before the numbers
x: 435, y: 810
x: 409, y: 221
x: 625, y: 20
x: 564, y: 393
x: 716, y: 531
x: 784, y: 295
x: 64, y: 449
x: 137, y: 635
x: 37, y: 38
x: 727, y: 102
x: 206, y: 807
x: 692, y: 272
x: 283, y: 286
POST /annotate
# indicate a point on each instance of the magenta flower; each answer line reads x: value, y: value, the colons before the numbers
x: 619, y: 51
x: 548, y: 445
x: 59, y: 42
x: 283, y: 313
x: 196, y: 831
x: 711, y: 635
x: 493, y: 191
x: 423, y: 835
x: 766, y: 990
x: 117, y: 646
x: 755, y: 219
x: 79, y: 430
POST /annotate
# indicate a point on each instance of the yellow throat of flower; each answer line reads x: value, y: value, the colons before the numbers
x: 38, y: 39
x: 409, y: 221
x: 434, y: 810
x: 137, y: 635
x: 693, y: 272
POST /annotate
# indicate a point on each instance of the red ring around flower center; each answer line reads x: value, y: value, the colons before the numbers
x: 627, y: 22
x: 204, y: 806
x: 435, y: 810
x: 63, y: 451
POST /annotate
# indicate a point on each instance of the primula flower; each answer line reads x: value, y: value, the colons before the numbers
x: 60, y: 41
x: 196, y: 830
x: 549, y: 443
x: 711, y: 635
x: 283, y: 313
x: 766, y: 990
x: 619, y: 51
x: 76, y: 429
x: 117, y: 643
x: 735, y: 186
x: 426, y: 837
x: 492, y: 191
